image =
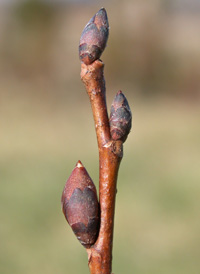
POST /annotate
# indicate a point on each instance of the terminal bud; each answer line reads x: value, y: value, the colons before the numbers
x: 80, y: 205
x: 94, y: 37
x: 120, y: 118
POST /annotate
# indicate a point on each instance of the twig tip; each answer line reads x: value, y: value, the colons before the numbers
x: 94, y: 37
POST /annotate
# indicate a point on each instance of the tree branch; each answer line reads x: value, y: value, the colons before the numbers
x: 93, y: 79
x: 110, y: 155
x: 79, y: 200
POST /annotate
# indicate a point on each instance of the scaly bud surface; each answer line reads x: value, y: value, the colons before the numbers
x: 120, y: 118
x: 94, y: 37
x: 80, y: 205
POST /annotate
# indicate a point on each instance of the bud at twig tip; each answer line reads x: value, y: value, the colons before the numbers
x: 94, y: 37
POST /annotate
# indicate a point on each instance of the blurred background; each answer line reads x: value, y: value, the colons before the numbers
x: 46, y: 125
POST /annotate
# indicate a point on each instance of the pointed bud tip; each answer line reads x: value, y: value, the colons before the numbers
x: 79, y: 164
x: 102, y: 12
x: 101, y: 18
x: 120, y: 99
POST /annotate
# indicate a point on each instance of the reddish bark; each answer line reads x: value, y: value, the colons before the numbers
x: 110, y: 136
x: 110, y: 155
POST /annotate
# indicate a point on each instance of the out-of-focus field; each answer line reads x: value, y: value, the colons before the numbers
x: 46, y: 126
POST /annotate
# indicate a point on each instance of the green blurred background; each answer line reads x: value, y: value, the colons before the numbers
x: 153, y: 56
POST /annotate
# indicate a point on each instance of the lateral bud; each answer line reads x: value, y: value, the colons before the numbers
x: 94, y: 37
x: 120, y: 118
x: 80, y: 206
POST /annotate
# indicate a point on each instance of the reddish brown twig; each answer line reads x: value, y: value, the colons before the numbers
x: 110, y: 136
x: 79, y: 201
x: 110, y: 154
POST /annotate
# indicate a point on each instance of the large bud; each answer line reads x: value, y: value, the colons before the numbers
x: 94, y: 37
x: 120, y: 118
x: 80, y: 205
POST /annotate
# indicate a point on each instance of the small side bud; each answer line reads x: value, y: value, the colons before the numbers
x: 80, y: 205
x: 120, y: 118
x: 94, y: 37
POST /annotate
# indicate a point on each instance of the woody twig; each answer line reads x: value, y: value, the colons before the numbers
x: 93, y: 225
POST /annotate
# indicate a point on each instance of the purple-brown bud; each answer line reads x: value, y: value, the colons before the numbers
x: 80, y: 205
x: 94, y: 37
x: 120, y: 118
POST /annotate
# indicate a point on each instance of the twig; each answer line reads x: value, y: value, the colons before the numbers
x: 110, y: 155
x: 79, y: 200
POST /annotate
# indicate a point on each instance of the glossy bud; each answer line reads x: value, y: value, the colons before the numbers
x: 80, y: 205
x: 94, y: 37
x: 120, y: 118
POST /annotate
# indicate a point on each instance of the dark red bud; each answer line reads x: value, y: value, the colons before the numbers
x: 80, y: 205
x: 94, y: 37
x: 120, y: 118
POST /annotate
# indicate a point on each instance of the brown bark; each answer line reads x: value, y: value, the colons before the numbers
x: 110, y: 155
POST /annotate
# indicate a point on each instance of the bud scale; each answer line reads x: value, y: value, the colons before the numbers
x: 94, y: 37
x: 120, y: 118
x: 80, y: 206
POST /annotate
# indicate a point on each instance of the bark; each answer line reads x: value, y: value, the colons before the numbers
x: 110, y: 155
